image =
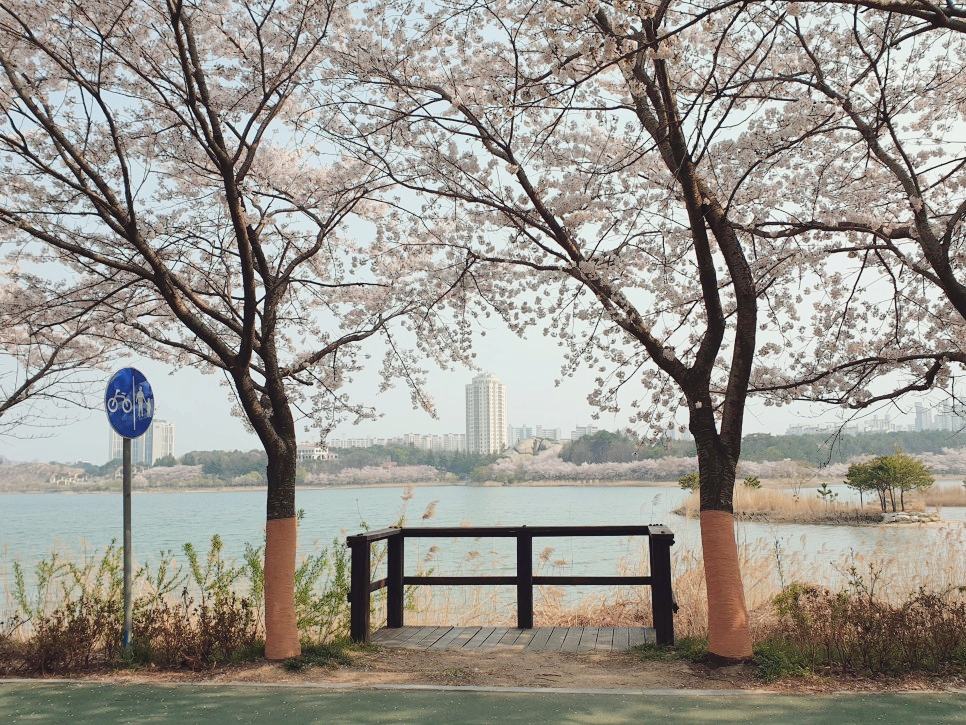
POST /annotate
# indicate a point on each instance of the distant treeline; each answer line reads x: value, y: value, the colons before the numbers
x: 817, y: 449
x: 602, y: 447
x: 233, y: 465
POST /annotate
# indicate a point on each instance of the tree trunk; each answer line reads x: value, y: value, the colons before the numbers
x: 281, y: 626
x: 729, y: 637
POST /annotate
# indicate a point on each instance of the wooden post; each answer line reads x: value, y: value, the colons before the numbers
x: 662, y: 597
x: 524, y: 579
x: 359, y: 581
x: 395, y: 593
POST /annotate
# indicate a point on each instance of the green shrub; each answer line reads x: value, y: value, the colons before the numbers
x: 777, y: 658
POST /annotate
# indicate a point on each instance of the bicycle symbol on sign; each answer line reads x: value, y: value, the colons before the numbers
x: 125, y: 403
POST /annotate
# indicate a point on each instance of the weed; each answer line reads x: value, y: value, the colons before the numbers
x: 689, y: 649
x: 315, y: 654
x: 777, y: 658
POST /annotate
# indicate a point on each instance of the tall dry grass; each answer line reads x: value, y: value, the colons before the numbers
x: 938, y: 565
x: 784, y: 506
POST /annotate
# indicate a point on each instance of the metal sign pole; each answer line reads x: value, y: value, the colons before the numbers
x: 128, y: 603
x: 129, y: 403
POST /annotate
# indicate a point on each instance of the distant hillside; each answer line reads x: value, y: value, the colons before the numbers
x: 817, y: 449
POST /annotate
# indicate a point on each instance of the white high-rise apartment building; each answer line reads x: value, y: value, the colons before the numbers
x: 156, y: 443
x: 486, y: 415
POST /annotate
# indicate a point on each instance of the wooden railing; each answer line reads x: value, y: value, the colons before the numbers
x: 660, y: 540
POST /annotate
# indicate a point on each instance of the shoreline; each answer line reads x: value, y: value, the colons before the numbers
x: 578, y: 483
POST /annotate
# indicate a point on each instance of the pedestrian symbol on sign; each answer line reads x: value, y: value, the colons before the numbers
x: 129, y: 403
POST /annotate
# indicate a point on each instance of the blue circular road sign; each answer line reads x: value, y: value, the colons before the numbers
x: 129, y: 403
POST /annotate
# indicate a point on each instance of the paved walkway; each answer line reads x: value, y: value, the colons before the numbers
x: 81, y: 703
x: 540, y: 639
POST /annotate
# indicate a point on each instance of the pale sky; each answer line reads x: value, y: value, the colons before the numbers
x: 200, y: 407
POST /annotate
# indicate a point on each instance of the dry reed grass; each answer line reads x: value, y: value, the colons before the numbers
x: 938, y: 565
x: 947, y: 496
x: 780, y: 506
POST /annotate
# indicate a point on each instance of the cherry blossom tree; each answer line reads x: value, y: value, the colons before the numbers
x: 605, y: 153
x: 52, y: 344
x: 876, y: 184
x: 157, y: 147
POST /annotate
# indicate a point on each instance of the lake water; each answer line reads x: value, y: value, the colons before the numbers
x: 35, y: 524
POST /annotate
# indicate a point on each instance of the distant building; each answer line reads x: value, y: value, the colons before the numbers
x: 314, y: 452
x: 448, y: 442
x: 583, y: 430
x: 486, y: 415
x: 550, y: 434
x: 823, y: 428
x: 950, y: 419
x: 516, y: 434
x: 521, y: 433
x: 157, y: 442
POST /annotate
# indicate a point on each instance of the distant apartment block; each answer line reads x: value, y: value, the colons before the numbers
x: 950, y: 418
x: 314, y: 452
x: 824, y: 429
x: 448, y: 442
x: 156, y: 443
x: 515, y: 434
x: 550, y: 434
x: 486, y: 415
x: 583, y: 430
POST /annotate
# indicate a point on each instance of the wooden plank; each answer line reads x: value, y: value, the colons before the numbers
x: 605, y: 639
x: 523, y: 638
x: 511, y: 636
x: 446, y: 641
x: 556, y: 639
x: 588, y: 640
x: 538, y: 640
x: 494, y: 639
x: 479, y: 638
x: 409, y: 634
x: 637, y: 636
x: 426, y: 637
x: 395, y: 636
x: 464, y: 636
x: 572, y: 640
x: 621, y: 639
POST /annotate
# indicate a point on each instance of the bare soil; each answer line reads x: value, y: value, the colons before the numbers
x: 497, y: 668
x: 507, y: 668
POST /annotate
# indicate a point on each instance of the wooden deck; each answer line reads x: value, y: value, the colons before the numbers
x: 541, y: 639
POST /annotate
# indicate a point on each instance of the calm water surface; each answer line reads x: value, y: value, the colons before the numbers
x: 32, y: 525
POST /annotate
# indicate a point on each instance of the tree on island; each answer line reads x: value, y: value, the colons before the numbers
x: 156, y: 152
x: 887, y: 474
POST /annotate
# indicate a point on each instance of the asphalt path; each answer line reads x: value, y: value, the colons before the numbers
x: 80, y: 703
